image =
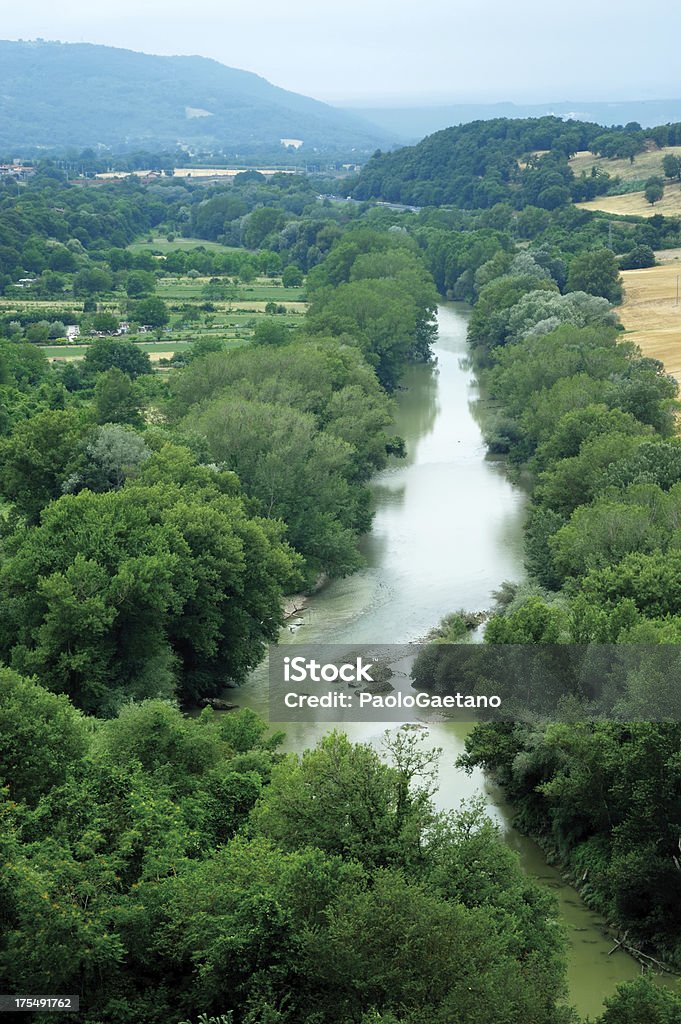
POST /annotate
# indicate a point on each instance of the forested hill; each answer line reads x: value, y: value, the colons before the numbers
x: 59, y: 94
x: 521, y: 162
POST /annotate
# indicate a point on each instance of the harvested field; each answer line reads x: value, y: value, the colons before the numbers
x: 645, y: 165
x: 635, y: 203
x: 651, y: 313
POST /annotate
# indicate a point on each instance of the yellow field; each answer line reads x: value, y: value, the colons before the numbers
x: 636, y: 204
x: 645, y: 165
x: 651, y: 313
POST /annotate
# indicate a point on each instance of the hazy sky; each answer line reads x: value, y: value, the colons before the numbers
x: 394, y: 49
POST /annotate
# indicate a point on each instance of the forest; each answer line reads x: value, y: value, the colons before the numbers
x: 168, y: 863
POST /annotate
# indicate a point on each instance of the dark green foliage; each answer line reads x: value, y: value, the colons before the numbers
x: 480, y: 164
x: 36, y: 459
x: 171, y: 866
x: 640, y: 256
x: 147, y: 590
x: 596, y: 273
x: 105, y: 354
x: 641, y: 1000
x: 654, y: 190
x: 116, y: 400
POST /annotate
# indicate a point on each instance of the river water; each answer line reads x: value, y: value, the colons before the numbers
x: 447, y: 532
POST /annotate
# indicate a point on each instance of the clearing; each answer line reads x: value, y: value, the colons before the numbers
x: 645, y: 165
x: 161, y: 244
x: 651, y: 312
x: 635, y: 203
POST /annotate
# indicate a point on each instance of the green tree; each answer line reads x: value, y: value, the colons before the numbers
x: 42, y: 737
x: 105, y: 323
x: 641, y: 1000
x: 140, y: 282
x: 116, y: 398
x: 38, y: 333
x: 92, y: 281
x: 153, y: 312
x: 37, y: 458
x: 292, y: 276
x: 596, y: 272
x: 654, y: 190
x: 142, y: 591
x: 106, y: 353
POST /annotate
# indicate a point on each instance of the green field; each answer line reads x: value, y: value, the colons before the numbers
x: 232, y: 321
x: 161, y: 244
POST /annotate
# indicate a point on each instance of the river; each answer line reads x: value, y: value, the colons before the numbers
x: 447, y: 532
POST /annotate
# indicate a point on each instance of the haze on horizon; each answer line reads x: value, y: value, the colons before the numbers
x: 373, y: 54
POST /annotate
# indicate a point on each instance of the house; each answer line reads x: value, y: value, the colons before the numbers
x: 16, y: 170
x: 72, y: 332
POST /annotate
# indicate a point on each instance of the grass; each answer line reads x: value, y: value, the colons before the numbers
x: 232, y: 322
x: 161, y: 244
x: 645, y: 165
x: 635, y: 204
x: 650, y: 313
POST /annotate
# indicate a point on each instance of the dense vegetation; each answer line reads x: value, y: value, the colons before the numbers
x: 193, y: 501
x: 592, y: 424
x: 164, y: 866
x: 521, y: 162
x: 167, y: 866
x: 60, y: 95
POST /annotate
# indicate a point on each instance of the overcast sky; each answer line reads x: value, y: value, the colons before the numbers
x: 378, y: 50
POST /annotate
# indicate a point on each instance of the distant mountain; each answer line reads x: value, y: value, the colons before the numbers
x: 66, y: 94
x: 409, y: 124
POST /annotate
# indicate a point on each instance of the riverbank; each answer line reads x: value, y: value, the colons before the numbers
x: 448, y: 530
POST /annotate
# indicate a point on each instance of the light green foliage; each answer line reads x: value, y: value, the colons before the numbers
x: 297, y: 473
x: 642, y: 518
x: 489, y: 324
x: 541, y: 312
x: 112, y: 454
x: 318, y: 376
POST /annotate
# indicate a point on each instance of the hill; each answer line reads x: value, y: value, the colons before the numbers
x: 77, y: 94
x: 411, y: 123
x: 524, y: 162
x: 480, y: 164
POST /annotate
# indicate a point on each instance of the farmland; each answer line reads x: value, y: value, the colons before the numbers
x: 652, y: 313
x: 231, y: 319
x: 643, y: 166
x: 635, y: 204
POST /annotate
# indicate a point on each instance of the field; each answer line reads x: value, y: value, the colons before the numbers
x: 651, y: 312
x: 161, y: 244
x: 645, y: 165
x: 636, y: 204
x: 231, y: 320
